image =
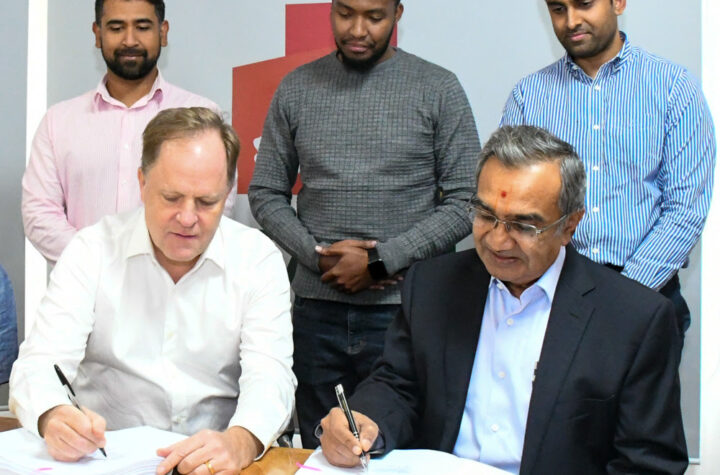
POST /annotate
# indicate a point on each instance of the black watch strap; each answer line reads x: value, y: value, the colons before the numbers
x: 376, y: 266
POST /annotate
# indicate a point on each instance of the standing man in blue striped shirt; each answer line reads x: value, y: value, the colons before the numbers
x: 643, y: 129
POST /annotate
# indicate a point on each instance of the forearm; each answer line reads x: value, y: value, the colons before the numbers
x: 267, y: 383
x: 279, y: 221
x: 434, y: 235
x: 663, y: 251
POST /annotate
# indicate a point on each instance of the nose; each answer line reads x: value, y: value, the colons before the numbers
x: 358, y: 28
x: 498, y: 238
x: 187, y: 215
x: 574, y: 19
x: 130, y: 40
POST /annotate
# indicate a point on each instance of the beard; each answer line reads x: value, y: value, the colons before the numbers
x: 131, y: 70
x: 363, y: 65
x: 594, y: 47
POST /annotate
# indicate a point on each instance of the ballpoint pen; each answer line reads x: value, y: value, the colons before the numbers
x: 71, y: 394
x: 340, y: 393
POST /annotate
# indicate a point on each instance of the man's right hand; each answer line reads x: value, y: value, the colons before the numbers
x: 339, y: 445
x: 70, y: 434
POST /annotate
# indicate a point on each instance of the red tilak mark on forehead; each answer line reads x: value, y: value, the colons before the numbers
x: 503, y: 194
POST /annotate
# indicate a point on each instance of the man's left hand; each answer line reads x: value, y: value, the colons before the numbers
x: 211, y: 452
x: 350, y: 273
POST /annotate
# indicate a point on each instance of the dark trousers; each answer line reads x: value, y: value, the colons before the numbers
x: 334, y: 343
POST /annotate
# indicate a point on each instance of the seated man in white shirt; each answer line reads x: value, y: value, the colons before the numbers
x: 171, y: 316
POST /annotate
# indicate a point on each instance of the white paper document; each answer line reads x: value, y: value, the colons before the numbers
x: 421, y: 462
x: 129, y: 451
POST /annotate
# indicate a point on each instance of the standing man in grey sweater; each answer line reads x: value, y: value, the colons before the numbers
x: 385, y: 143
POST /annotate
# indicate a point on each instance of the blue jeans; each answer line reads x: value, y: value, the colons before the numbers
x: 8, y: 327
x: 335, y: 343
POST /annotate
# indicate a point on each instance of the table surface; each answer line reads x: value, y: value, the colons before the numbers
x: 277, y: 460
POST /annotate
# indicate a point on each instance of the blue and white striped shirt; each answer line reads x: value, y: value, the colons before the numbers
x: 643, y: 129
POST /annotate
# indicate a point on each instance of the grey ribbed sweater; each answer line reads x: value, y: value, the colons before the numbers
x: 386, y: 154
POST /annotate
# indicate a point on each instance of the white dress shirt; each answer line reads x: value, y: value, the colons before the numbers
x: 492, y: 430
x: 210, y: 351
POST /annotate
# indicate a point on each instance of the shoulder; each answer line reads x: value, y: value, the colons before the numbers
x: 618, y: 301
x: 658, y: 64
x: 105, y: 240
x: 246, y: 246
x: 310, y: 72
x: 446, y: 270
x: 416, y: 69
x: 176, y: 96
x: 551, y: 73
x: 76, y: 105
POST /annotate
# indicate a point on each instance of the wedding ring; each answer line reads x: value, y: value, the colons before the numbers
x: 209, y: 467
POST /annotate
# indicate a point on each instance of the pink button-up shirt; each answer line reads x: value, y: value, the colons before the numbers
x: 84, y: 161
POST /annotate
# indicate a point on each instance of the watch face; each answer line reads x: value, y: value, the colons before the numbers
x: 377, y: 269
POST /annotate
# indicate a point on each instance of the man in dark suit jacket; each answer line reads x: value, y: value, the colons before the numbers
x: 593, y: 378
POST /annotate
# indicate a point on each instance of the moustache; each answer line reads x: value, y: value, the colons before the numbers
x: 130, y: 52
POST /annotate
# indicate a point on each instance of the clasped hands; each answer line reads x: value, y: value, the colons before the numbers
x: 344, y: 265
x: 71, y: 434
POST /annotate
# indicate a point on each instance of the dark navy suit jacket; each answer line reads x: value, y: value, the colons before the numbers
x: 606, y: 397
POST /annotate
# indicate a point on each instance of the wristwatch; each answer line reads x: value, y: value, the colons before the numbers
x: 376, y: 266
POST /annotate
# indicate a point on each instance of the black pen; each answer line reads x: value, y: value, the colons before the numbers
x: 340, y: 393
x: 71, y: 394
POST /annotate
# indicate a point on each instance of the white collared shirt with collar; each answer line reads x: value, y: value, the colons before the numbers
x: 511, y: 337
x: 210, y: 351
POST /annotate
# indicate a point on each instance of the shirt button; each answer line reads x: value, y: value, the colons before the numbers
x: 126, y: 146
x: 596, y: 127
x: 495, y: 427
x: 597, y: 87
x: 510, y: 322
x: 596, y: 209
x: 596, y: 250
x: 596, y: 168
x: 501, y: 374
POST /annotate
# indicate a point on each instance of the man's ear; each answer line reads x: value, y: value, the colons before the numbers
x: 571, y: 224
x: 399, y: 12
x: 96, y: 32
x: 141, y: 181
x: 164, y: 28
x: 619, y: 6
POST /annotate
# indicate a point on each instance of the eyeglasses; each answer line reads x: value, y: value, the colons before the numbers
x: 515, y: 229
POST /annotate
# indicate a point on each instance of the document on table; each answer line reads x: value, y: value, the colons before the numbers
x: 403, y: 462
x: 129, y: 451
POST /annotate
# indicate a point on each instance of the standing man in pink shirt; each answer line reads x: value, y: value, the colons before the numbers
x: 86, y: 151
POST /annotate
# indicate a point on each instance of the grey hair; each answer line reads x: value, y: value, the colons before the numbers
x: 523, y: 145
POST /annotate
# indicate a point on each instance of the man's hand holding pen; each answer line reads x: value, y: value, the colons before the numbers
x: 339, y: 445
x: 71, y: 434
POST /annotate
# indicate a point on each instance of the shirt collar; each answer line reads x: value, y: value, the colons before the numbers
x: 620, y: 59
x: 547, y: 283
x: 140, y: 243
x: 103, y: 97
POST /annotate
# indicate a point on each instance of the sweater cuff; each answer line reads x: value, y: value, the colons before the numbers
x: 393, y: 256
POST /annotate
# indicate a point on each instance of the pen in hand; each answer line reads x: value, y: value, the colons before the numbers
x: 340, y: 393
x: 71, y: 394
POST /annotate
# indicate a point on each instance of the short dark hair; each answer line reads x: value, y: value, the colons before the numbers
x: 158, y: 4
x: 524, y: 145
x: 181, y: 122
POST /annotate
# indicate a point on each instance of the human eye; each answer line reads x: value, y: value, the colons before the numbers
x: 556, y: 8
x: 523, y: 229
x: 484, y: 216
x: 343, y: 13
x: 207, y: 203
x: 171, y: 198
